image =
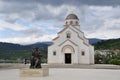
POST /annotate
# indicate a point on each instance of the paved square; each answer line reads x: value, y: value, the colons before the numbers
x: 65, y: 74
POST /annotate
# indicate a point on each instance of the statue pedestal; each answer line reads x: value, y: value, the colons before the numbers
x: 34, y: 72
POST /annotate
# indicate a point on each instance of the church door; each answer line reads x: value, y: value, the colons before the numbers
x: 68, y: 58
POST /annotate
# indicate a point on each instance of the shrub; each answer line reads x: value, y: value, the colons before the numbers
x: 115, y: 61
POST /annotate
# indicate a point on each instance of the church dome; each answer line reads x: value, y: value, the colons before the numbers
x: 72, y: 16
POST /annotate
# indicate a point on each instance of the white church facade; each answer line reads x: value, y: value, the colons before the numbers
x: 71, y: 46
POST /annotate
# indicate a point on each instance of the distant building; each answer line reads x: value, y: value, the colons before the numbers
x: 71, y: 46
x: 104, y: 52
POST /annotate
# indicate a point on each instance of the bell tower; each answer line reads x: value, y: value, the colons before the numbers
x: 72, y: 20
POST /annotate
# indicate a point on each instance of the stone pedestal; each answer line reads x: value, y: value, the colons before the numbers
x: 34, y: 72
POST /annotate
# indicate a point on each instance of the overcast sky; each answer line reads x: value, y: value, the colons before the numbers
x: 30, y: 21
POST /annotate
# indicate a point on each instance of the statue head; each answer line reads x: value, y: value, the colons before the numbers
x: 36, y: 49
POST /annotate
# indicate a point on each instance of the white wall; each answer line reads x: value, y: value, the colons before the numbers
x: 78, y: 45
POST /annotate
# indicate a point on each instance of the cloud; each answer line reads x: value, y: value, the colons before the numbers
x: 101, y: 22
x: 34, y: 20
x: 71, y: 2
x: 4, y: 25
x: 29, y: 39
x: 12, y: 10
x: 32, y: 32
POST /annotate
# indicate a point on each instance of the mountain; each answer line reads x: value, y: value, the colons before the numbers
x: 12, y: 46
x: 111, y: 44
x: 10, y: 51
x: 41, y: 44
x: 98, y: 43
x: 94, y: 40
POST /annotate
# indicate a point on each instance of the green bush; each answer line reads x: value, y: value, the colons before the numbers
x: 115, y: 61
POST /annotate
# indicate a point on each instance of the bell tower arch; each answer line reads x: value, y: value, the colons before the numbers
x: 72, y: 20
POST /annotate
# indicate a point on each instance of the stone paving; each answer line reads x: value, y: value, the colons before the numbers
x: 65, y: 74
x: 80, y: 66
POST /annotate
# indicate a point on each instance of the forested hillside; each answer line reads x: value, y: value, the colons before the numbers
x: 10, y: 52
x: 14, y: 53
x: 111, y: 44
x: 12, y: 46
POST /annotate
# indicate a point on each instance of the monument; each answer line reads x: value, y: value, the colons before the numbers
x: 35, y: 59
x: 35, y: 69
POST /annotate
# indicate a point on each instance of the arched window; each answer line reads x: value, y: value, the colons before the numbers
x: 68, y: 35
x: 76, y: 23
x: 71, y: 22
x: 83, y: 53
x: 54, y: 53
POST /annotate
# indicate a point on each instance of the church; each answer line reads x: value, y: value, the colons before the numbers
x: 71, y: 46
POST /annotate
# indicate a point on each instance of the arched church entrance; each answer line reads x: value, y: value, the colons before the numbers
x: 68, y: 51
x: 67, y: 58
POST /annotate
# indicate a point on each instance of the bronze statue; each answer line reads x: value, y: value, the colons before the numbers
x: 35, y: 59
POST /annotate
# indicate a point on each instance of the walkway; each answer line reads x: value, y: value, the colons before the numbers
x: 65, y: 74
